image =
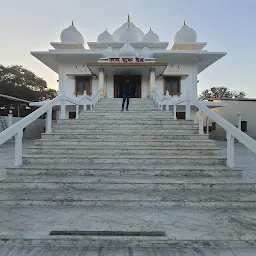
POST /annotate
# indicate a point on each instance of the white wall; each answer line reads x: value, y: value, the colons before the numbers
x: 33, y: 130
x: 247, y: 111
x: 188, y: 83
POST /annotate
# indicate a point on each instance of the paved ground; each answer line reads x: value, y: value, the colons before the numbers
x: 85, y: 251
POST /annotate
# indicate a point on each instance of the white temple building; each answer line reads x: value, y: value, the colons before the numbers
x: 129, y: 52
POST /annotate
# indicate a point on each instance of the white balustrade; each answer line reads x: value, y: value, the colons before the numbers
x: 232, y: 132
x: 207, y: 125
x: 201, y: 122
x: 167, y: 101
x: 175, y: 112
x: 77, y: 111
x: 10, y: 117
x: 18, y: 148
x: 230, y: 150
x: 239, y: 121
x: 16, y: 129
x: 49, y: 121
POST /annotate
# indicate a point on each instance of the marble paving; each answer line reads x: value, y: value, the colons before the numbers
x: 8, y: 250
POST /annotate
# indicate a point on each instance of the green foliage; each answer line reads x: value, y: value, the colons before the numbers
x: 19, y: 82
x: 221, y: 92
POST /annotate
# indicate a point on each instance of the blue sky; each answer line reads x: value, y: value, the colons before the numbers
x: 227, y: 26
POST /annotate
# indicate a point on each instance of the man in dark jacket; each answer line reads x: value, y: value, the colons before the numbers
x: 126, y: 94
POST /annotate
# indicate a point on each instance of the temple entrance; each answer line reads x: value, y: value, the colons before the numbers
x: 135, y: 80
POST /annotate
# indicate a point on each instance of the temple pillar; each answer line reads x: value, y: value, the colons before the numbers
x: 152, y: 81
x: 101, y: 82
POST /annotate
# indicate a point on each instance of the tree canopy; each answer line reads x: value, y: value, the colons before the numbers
x: 221, y: 92
x: 19, y: 82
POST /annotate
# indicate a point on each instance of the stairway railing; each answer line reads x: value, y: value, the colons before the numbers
x: 232, y: 132
x: 16, y: 129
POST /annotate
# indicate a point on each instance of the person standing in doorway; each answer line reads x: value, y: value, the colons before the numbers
x: 126, y: 94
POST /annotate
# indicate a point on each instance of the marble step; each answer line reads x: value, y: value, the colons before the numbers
x: 126, y: 144
x: 137, y: 121
x: 44, y: 158
x: 125, y: 125
x: 134, y: 197
x: 128, y: 131
x: 123, y: 152
x: 125, y: 137
x: 121, y: 170
x: 125, y: 184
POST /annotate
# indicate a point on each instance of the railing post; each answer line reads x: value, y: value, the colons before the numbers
x: 84, y: 95
x: 239, y: 122
x: 48, y: 121
x: 230, y: 150
x: 188, y: 107
x: 207, y: 127
x: 18, y: 149
x: 167, y: 100
x: 10, y: 116
x: 175, y: 112
x: 77, y: 110
x: 201, y: 122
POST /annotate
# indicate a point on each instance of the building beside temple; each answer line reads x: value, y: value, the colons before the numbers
x: 128, y: 53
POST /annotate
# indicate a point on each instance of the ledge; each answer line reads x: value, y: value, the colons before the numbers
x: 183, y: 76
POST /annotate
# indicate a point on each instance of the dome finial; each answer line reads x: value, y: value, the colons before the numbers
x: 184, y: 22
x: 128, y: 18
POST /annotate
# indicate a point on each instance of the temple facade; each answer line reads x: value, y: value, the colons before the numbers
x: 128, y: 53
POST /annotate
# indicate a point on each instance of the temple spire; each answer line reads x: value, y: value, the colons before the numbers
x: 128, y: 18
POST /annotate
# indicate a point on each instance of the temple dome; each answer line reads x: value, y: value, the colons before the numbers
x: 127, y: 24
x: 108, y: 52
x: 105, y: 37
x: 185, y: 35
x: 127, y: 51
x: 151, y: 37
x: 128, y: 35
x: 71, y: 35
x: 146, y: 53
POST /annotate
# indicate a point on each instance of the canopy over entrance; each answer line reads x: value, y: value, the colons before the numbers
x: 128, y: 68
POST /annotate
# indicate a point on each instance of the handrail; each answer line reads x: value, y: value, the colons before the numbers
x: 24, y: 122
x: 234, y: 131
x: 16, y: 129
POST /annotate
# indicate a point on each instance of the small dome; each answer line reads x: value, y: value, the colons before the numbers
x: 127, y: 51
x: 71, y: 35
x: 105, y: 37
x: 108, y: 52
x: 146, y: 53
x: 128, y: 35
x: 127, y: 24
x: 151, y: 37
x: 185, y: 35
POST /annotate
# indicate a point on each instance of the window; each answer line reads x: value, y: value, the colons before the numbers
x: 83, y: 83
x: 213, y: 126
x: 244, y: 126
x: 173, y: 85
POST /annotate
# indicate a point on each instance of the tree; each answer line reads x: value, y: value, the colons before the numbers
x: 221, y: 92
x: 19, y: 82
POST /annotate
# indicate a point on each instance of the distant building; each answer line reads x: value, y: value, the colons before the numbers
x: 246, y: 108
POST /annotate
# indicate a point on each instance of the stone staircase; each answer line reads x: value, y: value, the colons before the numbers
x: 127, y: 171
